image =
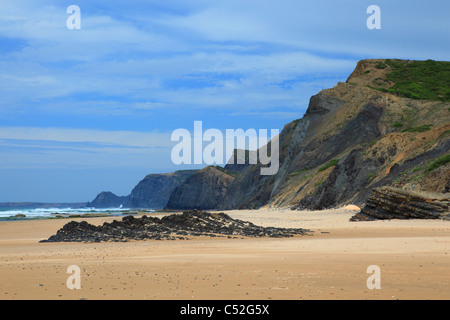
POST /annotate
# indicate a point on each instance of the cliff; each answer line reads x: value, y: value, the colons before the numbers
x: 107, y: 199
x: 379, y: 128
x: 387, y: 125
x: 155, y: 189
x: 152, y: 192
x: 203, y: 190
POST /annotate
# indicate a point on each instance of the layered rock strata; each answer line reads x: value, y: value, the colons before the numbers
x: 395, y: 203
x: 171, y: 227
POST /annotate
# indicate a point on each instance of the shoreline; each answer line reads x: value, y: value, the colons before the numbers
x: 331, y: 263
x: 93, y: 213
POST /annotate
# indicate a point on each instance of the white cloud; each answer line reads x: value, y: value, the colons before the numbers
x: 124, y: 138
x: 120, y: 57
x: 41, y: 148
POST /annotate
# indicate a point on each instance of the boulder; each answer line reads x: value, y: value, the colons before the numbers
x: 394, y: 203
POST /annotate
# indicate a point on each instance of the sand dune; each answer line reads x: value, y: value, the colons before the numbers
x: 413, y: 257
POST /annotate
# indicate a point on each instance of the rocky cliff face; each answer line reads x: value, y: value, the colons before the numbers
x: 239, y: 161
x: 155, y: 189
x: 361, y: 134
x: 387, y: 125
x: 152, y: 192
x: 107, y: 199
x: 250, y: 189
x: 203, y: 190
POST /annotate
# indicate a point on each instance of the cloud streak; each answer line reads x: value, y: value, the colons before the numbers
x: 68, y: 148
x: 124, y: 138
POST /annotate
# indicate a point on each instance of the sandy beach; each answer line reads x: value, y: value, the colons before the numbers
x: 413, y: 257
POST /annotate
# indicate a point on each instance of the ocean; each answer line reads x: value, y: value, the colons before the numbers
x: 45, y: 213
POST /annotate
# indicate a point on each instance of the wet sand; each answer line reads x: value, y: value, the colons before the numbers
x: 413, y: 257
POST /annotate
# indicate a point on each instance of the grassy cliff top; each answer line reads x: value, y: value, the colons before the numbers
x: 425, y: 80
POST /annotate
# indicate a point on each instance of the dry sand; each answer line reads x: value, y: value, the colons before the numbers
x: 413, y: 256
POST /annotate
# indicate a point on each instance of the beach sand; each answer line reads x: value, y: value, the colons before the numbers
x: 413, y: 257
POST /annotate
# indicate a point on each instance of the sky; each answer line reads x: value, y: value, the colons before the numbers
x: 93, y: 109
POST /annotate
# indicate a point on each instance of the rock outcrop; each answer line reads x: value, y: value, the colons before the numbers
x: 239, y: 161
x: 175, y: 226
x: 155, y: 189
x: 108, y: 199
x: 250, y: 189
x: 204, y: 190
x: 394, y: 203
x: 152, y: 192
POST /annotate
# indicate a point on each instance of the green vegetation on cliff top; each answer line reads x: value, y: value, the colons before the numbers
x: 427, y: 80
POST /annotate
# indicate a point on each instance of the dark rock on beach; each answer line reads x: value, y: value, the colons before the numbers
x: 171, y: 227
x: 395, y: 203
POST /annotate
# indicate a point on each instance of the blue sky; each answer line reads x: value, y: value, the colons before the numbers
x: 89, y: 110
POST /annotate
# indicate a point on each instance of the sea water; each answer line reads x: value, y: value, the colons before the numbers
x: 45, y: 213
